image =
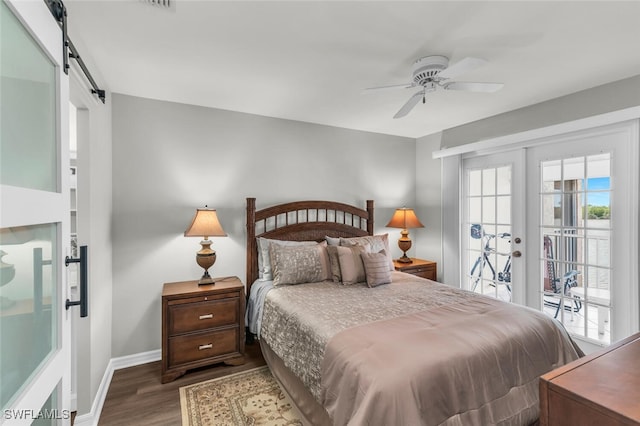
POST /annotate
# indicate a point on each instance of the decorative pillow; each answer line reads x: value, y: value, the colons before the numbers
x: 351, y: 266
x: 376, y: 270
x: 300, y: 264
x: 377, y: 242
x: 264, y: 259
x: 334, y: 261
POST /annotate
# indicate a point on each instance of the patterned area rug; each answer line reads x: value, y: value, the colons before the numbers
x: 250, y: 397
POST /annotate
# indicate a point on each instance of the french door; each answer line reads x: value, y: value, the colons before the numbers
x: 583, y: 190
x: 34, y: 217
x: 493, y: 226
x: 569, y: 247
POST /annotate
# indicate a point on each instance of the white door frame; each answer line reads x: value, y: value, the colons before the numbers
x: 24, y: 207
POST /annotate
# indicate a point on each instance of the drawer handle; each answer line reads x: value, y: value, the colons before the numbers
x: 207, y: 316
x: 207, y: 346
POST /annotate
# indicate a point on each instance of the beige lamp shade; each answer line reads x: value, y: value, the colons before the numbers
x: 404, y: 219
x: 205, y: 224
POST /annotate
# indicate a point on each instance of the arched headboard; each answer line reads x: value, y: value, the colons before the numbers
x: 303, y: 221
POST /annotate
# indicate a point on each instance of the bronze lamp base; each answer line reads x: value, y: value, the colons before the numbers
x: 206, y: 257
x: 404, y: 242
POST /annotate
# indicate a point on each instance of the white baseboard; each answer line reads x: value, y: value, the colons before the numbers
x: 136, y: 359
x: 92, y: 418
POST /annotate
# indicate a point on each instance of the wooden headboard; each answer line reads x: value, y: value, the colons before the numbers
x: 303, y: 221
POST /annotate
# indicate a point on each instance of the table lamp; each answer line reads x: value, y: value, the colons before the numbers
x: 404, y: 219
x: 205, y: 224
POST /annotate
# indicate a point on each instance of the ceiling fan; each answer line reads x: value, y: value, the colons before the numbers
x: 432, y: 72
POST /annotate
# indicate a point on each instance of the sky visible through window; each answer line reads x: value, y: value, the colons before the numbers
x: 599, y: 184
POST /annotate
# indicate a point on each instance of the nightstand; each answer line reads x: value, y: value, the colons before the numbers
x: 201, y: 325
x: 420, y: 268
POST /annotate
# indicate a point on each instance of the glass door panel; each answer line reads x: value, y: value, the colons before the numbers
x: 28, y: 303
x: 28, y: 150
x: 576, y: 236
x: 49, y: 414
x: 488, y: 226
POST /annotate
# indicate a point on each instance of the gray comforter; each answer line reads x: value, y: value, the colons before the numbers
x: 414, y: 352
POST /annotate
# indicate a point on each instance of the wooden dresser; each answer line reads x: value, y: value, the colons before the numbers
x: 600, y: 389
x: 201, y: 325
x: 419, y: 267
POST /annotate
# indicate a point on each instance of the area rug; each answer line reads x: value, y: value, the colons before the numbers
x: 251, y: 397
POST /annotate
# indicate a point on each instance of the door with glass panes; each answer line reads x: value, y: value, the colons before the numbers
x: 582, y: 192
x: 34, y: 217
x: 493, y: 225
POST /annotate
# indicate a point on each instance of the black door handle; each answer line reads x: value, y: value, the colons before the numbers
x: 84, y: 297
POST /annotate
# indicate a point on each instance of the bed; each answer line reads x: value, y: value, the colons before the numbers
x: 385, y: 347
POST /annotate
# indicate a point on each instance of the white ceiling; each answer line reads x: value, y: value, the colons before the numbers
x: 309, y: 61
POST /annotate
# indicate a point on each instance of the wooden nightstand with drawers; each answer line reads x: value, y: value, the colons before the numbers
x: 201, y: 325
x: 419, y: 267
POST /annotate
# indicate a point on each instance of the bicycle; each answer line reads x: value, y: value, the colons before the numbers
x: 476, y: 274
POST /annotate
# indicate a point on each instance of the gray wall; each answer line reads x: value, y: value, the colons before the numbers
x: 428, y: 240
x: 598, y: 100
x: 169, y: 159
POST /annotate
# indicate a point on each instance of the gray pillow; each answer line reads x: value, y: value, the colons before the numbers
x: 300, y: 264
x: 332, y: 241
x: 334, y: 261
x: 264, y: 258
x: 351, y: 266
x: 376, y: 270
x: 377, y: 243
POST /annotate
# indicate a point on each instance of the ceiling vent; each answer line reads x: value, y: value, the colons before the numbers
x: 162, y: 4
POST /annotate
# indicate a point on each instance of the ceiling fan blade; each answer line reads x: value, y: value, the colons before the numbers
x: 473, y: 87
x: 462, y: 66
x: 384, y: 88
x: 406, y: 108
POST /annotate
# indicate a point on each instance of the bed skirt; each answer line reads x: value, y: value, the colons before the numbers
x: 312, y: 413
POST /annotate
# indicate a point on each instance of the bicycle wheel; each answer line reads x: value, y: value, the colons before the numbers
x: 475, y: 275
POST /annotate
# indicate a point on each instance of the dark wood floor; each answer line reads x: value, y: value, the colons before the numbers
x: 136, y: 396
